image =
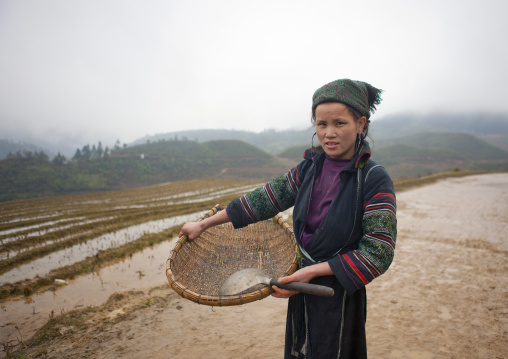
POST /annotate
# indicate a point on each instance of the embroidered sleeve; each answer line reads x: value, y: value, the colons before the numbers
x: 376, y: 248
x: 266, y: 201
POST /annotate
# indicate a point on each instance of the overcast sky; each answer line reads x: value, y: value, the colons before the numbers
x: 107, y: 70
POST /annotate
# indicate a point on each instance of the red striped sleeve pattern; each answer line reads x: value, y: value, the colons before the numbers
x: 376, y: 248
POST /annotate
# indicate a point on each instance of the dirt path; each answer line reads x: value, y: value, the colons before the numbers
x: 445, y: 295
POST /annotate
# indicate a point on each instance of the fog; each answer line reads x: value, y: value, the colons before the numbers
x: 87, y: 71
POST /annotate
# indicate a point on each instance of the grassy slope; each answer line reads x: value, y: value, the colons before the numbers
x: 430, y: 152
x: 150, y: 163
x: 471, y: 147
x: 136, y: 166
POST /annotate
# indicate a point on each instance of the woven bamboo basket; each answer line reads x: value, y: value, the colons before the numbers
x: 197, y: 269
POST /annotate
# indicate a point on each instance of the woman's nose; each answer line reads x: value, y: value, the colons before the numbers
x: 330, y: 133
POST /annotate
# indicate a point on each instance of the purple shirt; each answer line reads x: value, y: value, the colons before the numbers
x: 324, y: 190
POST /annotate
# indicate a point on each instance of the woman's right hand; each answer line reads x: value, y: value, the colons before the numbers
x: 192, y: 229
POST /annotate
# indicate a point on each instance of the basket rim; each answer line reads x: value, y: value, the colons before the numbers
x: 219, y: 300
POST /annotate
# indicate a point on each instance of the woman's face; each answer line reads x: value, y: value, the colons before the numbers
x: 337, y: 129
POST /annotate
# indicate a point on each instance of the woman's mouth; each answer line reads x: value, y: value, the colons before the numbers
x: 331, y: 145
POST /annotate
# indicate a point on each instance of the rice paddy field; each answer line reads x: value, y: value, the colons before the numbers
x: 63, y: 253
x: 47, y: 242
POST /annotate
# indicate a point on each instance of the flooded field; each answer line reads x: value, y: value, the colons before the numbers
x: 145, y: 269
x: 91, y: 247
x: 71, y: 252
x: 62, y: 253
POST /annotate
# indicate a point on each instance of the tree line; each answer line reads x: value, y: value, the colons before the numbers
x: 96, y: 168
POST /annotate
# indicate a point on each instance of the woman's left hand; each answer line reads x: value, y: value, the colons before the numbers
x: 304, y: 275
x: 282, y: 293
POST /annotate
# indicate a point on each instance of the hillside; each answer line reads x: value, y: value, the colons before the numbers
x: 271, y: 141
x: 490, y: 127
x: 233, y: 152
x: 34, y: 175
x: 430, y: 152
x: 468, y: 145
x: 400, y: 144
x: 7, y: 146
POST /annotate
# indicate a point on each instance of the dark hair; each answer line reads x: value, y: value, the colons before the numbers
x: 356, y: 115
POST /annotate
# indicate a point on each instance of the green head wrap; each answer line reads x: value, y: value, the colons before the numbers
x: 360, y: 95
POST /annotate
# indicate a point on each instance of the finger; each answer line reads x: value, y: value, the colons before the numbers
x: 287, y: 279
x: 284, y: 280
x: 283, y: 291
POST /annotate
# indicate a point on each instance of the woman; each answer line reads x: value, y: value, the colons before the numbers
x: 343, y: 218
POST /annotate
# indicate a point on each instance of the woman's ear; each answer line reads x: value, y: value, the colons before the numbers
x: 361, y: 124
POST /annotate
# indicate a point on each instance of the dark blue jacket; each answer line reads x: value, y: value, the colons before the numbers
x: 357, y: 237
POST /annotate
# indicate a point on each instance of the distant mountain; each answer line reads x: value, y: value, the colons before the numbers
x: 490, y: 127
x: 237, y: 152
x: 397, y: 153
x: 271, y: 141
x: 223, y: 152
x: 469, y: 146
x: 34, y: 174
x: 29, y: 175
x: 407, y: 145
x: 7, y: 146
x: 429, y: 152
x: 493, y: 128
x: 295, y: 152
x: 391, y: 154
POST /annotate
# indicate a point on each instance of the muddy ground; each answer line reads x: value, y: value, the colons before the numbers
x: 445, y: 295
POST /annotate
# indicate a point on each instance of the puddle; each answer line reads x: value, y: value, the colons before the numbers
x: 11, y: 254
x: 30, y: 219
x: 78, y: 252
x: 14, y: 253
x: 38, y: 225
x: 45, y: 230
x: 144, y: 270
x: 207, y: 198
x: 215, y: 191
x: 213, y: 194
